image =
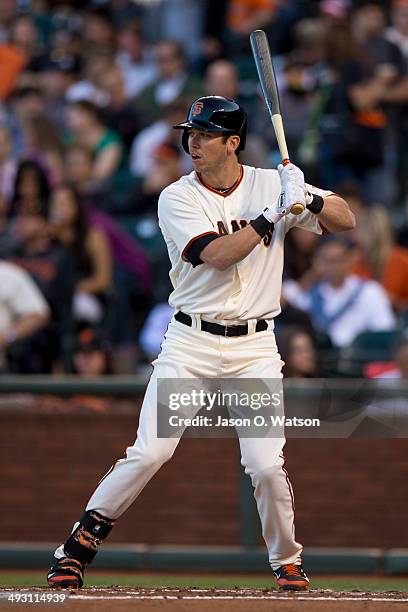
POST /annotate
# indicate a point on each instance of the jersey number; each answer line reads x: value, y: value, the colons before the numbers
x: 237, y: 225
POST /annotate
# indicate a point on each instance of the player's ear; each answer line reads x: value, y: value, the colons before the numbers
x: 233, y: 142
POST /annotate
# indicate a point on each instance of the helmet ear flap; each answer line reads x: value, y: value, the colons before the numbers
x: 242, y: 135
x: 184, y: 140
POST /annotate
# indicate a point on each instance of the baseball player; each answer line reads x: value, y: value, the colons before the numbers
x: 224, y: 225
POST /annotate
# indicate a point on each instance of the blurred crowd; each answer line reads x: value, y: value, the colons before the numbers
x: 88, y: 96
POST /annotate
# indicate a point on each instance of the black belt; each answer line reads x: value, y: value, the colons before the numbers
x: 227, y: 331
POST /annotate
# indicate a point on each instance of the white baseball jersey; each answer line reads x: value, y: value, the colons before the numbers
x: 191, y: 214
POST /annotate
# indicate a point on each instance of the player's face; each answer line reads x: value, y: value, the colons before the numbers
x: 208, y: 150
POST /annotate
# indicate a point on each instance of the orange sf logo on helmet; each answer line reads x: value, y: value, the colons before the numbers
x: 197, y: 108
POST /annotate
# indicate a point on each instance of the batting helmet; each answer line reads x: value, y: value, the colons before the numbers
x: 215, y: 114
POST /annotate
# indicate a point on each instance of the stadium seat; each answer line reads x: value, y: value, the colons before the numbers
x: 367, y: 347
x: 403, y: 321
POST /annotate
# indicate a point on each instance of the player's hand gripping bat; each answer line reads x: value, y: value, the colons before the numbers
x: 263, y: 61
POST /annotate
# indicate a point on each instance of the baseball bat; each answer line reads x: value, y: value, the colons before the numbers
x: 263, y: 61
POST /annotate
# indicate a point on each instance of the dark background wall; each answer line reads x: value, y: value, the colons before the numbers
x: 348, y: 492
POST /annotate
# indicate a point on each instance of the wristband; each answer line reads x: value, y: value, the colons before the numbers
x: 261, y: 225
x: 316, y: 204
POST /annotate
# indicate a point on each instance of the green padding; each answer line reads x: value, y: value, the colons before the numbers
x: 343, y: 561
x: 40, y: 557
x: 119, y: 559
x: 396, y: 561
x: 72, y: 384
x: 25, y: 558
x: 134, y: 557
x: 209, y: 560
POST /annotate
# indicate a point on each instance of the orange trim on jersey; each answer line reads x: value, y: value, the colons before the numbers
x: 188, y: 245
x: 222, y: 193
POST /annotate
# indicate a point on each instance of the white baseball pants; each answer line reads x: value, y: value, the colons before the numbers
x: 188, y: 352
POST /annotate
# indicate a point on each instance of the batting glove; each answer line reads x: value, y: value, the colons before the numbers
x: 291, y: 174
x: 292, y: 194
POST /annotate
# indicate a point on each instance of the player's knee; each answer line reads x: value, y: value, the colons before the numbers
x: 258, y: 465
x: 155, y: 457
x: 266, y: 474
x: 273, y: 481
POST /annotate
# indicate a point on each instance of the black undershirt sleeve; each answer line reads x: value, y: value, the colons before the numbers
x: 196, y: 245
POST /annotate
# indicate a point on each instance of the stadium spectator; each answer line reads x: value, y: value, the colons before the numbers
x: 23, y: 104
x: 23, y: 313
x: 166, y: 168
x: 92, y: 354
x: 8, y: 164
x: 65, y: 43
x: 222, y: 79
x: 355, y: 148
x: 89, y: 251
x: 8, y: 238
x: 43, y: 144
x: 339, y: 302
x: 379, y: 258
x: 48, y: 263
x: 299, y: 74
x: 31, y: 188
x: 397, y: 33
x: 148, y: 139
x: 78, y: 171
x: 88, y: 130
x: 78, y: 165
x: 125, y: 249
x: 300, y: 248
x: 8, y: 14
x: 30, y: 192
x: 88, y: 86
x: 118, y: 113
x: 213, y: 43
x: 173, y: 81
x: 25, y: 37
x: 135, y: 59
x: 299, y: 352
x: 131, y: 271
x: 291, y: 316
x: 175, y: 12
x: 12, y: 63
x: 57, y: 77
x: 246, y: 15
x: 98, y: 32
x: 398, y: 94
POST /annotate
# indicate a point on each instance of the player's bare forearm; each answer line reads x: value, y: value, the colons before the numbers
x: 336, y: 215
x: 228, y: 250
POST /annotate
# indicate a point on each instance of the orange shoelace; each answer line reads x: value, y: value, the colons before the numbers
x: 291, y: 569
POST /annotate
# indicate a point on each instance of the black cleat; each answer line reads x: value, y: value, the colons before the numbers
x: 291, y: 577
x: 66, y: 573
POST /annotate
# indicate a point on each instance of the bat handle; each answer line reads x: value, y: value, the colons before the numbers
x: 297, y: 207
